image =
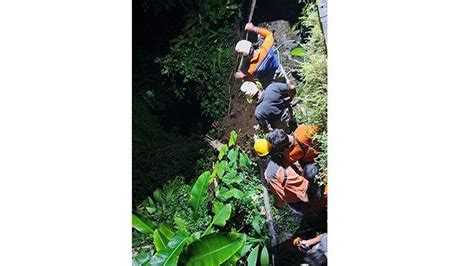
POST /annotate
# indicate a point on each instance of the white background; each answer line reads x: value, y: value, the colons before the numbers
x: 400, y: 132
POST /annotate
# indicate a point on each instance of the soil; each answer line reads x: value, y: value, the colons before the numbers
x: 241, y: 114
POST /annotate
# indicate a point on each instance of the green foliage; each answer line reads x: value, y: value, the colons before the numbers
x: 298, y: 51
x: 159, y: 240
x: 166, y: 231
x: 142, y: 258
x: 226, y: 194
x: 201, y: 238
x: 223, y: 151
x: 322, y: 140
x: 222, y: 213
x: 252, y: 258
x: 201, y: 58
x: 199, y: 191
x: 233, y: 138
x: 170, y: 255
x: 142, y: 224
x: 264, y: 257
x: 312, y: 93
x: 285, y: 219
x: 173, y: 208
x: 215, y: 249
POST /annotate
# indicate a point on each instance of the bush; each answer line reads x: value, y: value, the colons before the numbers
x: 201, y: 58
x: 313, y: 91
x: 222, y: 207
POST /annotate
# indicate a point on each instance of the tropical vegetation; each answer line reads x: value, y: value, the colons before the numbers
x: 208, y: 207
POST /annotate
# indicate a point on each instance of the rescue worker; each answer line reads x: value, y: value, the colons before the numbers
x: 263, y: 148
x: 296, y: 147
x: 289, y: 186
x: 261, y: 64
x: 273, y: 104
x: 315, y: 249
x: 286, y: 184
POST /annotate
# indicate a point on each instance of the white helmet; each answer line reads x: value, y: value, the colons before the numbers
x: 250, y: 89
x: 243, y: 47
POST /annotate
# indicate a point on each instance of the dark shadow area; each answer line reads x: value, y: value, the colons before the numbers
x: 166, y: 133
x: 270, y: 10
x: 310, y: 227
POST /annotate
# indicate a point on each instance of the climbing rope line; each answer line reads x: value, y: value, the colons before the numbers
x: 252, y: 8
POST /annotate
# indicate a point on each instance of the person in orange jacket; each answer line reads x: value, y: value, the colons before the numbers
x: 296, y: 147
x: 262, y: 64
x: 289, y: 186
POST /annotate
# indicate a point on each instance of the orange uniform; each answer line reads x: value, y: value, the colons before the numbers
x: 286, y: 184
x: 302, y: 148
x: 264, y: 63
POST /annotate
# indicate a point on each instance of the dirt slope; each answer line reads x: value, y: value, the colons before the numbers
x: 241, y: 116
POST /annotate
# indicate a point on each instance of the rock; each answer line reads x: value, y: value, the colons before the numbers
x: 285, y: 41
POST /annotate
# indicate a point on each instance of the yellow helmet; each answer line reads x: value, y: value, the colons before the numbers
x: 262, y: 147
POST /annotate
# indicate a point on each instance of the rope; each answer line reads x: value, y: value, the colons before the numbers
x: 252, y: 8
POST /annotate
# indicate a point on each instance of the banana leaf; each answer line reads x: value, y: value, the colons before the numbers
x: 159, y: 240
x: 142, y: 224
x: 170, y: 255
x: 166, y: 230
x: 142, y: 258
x: 221, y: 215
x: 215, y: 249
x: 199, y: 191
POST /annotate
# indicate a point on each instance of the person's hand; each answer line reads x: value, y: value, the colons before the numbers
x: 305, y: 244
x: 239, y: 75
x: 249, y: 26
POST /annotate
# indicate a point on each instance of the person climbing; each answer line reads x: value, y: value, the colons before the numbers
x: 290, y: 186
x: 315, y: 249
x: 263, y: 148
x: 261, y: 64
x: 273, y: 104
x: 296, y: 147
x: 286, y: 184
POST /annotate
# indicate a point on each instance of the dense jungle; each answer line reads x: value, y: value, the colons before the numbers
x: 197, y: 188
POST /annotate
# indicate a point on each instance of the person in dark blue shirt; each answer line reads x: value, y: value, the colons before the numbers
x: 272, y: 104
